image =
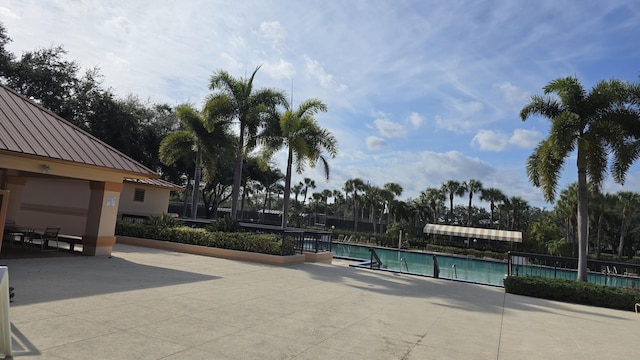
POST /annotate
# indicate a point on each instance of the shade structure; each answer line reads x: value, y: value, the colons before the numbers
x: 463, y: 231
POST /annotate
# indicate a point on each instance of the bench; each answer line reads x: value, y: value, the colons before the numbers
x: 72, y: 240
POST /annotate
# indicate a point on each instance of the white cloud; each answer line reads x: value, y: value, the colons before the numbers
x: 495, y: 141
x: 376, y: 143
x: 279, y: 70
x: 272, y: 31
x: 7, y: 13
x: 458, y: 126
x: 489, y: 140
x: 390, y: 129
x: 512, y: 93
x: 315, y: 70
x: 525, y: 138
x: 416, y: 120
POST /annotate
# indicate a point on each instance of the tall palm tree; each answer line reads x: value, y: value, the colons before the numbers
x: 353, y: 186
x: 394, y: 189
x: 567, y: 208
x: 326, y: 194
x: 595, y: 124
x: 626, y: 199
x: 235, y: 100
x: 296, y: 190
x: 452, y: 188
x: 307, y: 184
x: 472, y: 186
x: 435, y: 199
x: 517, y: 206
x: 305, y: 141
x: 494, y: 197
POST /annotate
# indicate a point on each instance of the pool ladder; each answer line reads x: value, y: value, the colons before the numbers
x: 403, y: 260
x: 454, y: 272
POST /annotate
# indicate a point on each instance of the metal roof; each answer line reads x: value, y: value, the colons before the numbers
x: 491, y: 234
x: 157, y: 183
x: 28, y: 128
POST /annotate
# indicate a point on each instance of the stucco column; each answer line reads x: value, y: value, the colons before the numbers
x: 99, y: 234
x: 15, y: 184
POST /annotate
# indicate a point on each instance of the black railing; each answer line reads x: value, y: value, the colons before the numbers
x: 375, y: 262
x: 601, y: 272
x: 303, y: 239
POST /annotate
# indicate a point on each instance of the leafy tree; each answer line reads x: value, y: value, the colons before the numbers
x: 305, y: 141
x: 6, y: 57
x: 236, y: 100
x: 595, y: 124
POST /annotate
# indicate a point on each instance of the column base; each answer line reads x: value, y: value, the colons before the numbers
x: 98, y: 246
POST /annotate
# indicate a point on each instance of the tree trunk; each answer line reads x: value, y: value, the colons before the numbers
x: 583, y: 198
x: 185, y: 202
x: 623, y: 230
x: 287, y: 191
x: 237, y: 173
x: 196, y: 187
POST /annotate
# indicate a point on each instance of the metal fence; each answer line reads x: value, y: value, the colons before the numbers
x: 609, y: 273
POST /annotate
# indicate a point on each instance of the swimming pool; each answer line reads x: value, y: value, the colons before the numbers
x: 473, y: 270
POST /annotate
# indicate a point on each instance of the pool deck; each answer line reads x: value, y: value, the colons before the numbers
x: 153, y: 304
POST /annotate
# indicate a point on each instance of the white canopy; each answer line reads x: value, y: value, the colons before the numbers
x: 462, y: 231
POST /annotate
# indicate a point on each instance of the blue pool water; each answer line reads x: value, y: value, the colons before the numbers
x: 420, y: 263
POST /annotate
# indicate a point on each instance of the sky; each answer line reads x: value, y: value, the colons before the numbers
x: 418, y: 92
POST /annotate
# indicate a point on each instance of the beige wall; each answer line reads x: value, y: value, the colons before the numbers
x: 51, y: 201
x: 156, y: 200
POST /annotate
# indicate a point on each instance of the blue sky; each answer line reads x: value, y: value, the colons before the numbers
x: 418, y: 92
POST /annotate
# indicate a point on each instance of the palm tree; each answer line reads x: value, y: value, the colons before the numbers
x: 296, y: 190
x: 305, y: 141
x: 626, y: 198
x: 326, y: 194
x: 517, y: 206
x: 435, y: 199
x: 595, y: 124
x: 308, y: 183
x: 394, y: 189
x: 201, y: 136
x: 353, y: 186
x: 567, y: 208
x: 494, y: 197
x: 236, y: 100
x: 452, y: 188
x: 472, y: 186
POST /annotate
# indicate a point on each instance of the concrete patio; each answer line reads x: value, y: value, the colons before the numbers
x: 153, y: 304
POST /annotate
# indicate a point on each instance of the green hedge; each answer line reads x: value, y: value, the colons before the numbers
x: 242, y: 241
x: 578, y: 292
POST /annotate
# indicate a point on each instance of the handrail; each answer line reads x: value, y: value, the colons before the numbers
x: 377, y: 263
x: 405, y: 264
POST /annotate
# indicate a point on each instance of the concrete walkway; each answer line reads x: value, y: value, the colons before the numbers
x: 151, y: 304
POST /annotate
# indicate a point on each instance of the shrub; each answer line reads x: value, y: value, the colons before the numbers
x: 164, y: 220
x: 578, y: 292
x: 242, y: 241
x: 226, y: 224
